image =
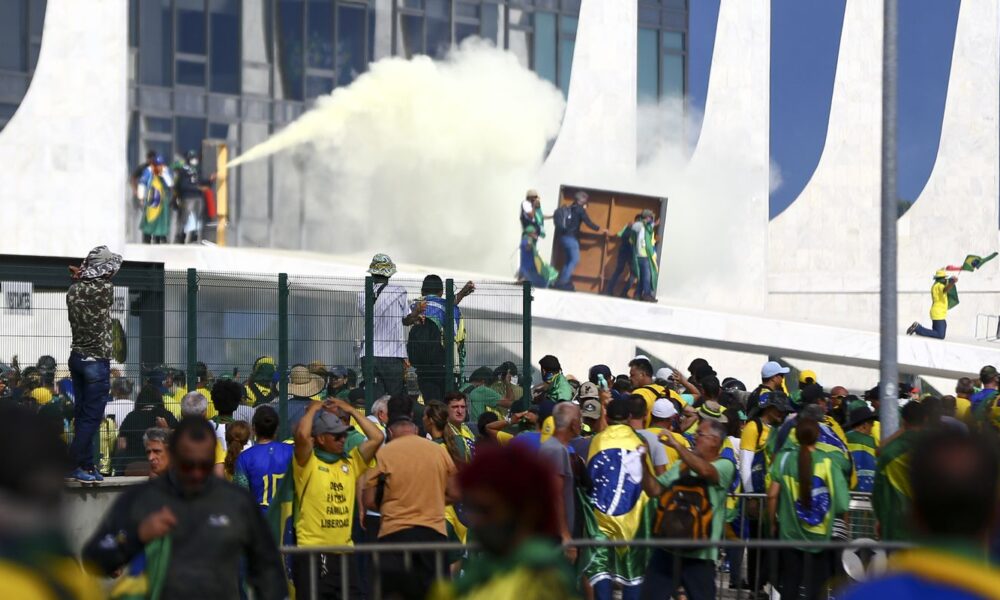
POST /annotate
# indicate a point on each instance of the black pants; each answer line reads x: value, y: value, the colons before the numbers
x: 430, y: 380
x: 366, y: 562
x: 759, y: 561
x: 388, y: 376
x: 412, y: 583
x: 153, y: 239
x: 329, y: 570
x: 803, y: 575
x: 667, y: 571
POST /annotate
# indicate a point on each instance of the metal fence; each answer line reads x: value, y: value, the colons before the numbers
x: 187, y: 329
x: 865, y: 557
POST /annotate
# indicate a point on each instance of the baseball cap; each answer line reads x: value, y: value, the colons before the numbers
x: 805, y: 376
x: 550, y: 364
x: 587, y: 391
x: 328, y: 423
x: 338, y: 372
x: 591, y: 409
x: 664, y: 409
x: 664, y: 373
x: 602, y: 370
x: 771, y: 368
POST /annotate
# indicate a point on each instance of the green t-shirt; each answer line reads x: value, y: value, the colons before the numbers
x: 830, y: 496
x: 480, y: 398
x: 559, y: 390
x: 716, y: 497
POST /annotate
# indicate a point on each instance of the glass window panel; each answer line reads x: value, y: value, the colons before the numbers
x: 412, y: 4
x: 224, y: 19
x: 411, y: 33
x: 190, y: 132
x: 37, y: 13
x: 351, y: 59
x: 190, y: 73
x: 647, y: 67
x: 438, y: 27
x: 318, y: 85
x: 572, y: 6
x: 158, y: 125
x: 566, y: 48
x: 12, y: 40
x: 682, y: 4
x: 467, y: 10
x: 519, y: 18
x: 161, y: 148
x: 544, y: 59
x: 673, y: 40
x: 291, y: 67
x: 489, y: 23
x: 156, y: 60
x: 222, y: 131
x: 191, y: 26
x: 673, y: 75
x: 519, y: 42
x: 319, y: 32
x: 133, y: 23
x: 649, y: 15
x: 568, y: 25
x: 465, y: 30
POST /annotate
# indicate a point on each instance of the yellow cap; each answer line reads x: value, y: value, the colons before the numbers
x: 807, y: 374
x: 41, y: 395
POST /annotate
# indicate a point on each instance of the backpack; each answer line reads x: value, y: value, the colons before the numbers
x: 424, y: 346
x: 683, y: 511
x: 561, y: 217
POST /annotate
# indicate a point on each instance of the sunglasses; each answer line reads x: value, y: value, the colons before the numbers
x: 338, y: 436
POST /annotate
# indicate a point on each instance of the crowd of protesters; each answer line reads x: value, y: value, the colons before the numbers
x: 521, y: 473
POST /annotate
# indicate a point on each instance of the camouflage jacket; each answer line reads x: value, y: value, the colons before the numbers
x: 89, y: 303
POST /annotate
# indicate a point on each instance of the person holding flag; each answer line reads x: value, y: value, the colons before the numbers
x: 617, y: 506
x: 944, y: 296
x: 153, y: 191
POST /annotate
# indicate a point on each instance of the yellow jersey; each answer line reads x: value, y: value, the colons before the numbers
x: 326, y: 494
x: 939, y: 302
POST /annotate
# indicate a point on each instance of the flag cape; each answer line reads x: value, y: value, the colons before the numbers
x: 155, y: 213
x: 617, y: 508
x: 891, y: 493
x: 281, y: 517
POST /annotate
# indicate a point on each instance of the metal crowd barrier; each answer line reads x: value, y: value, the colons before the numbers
x: 860, y: 527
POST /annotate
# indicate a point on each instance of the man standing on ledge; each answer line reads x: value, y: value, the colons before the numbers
x: 943, y: 297
x: 88, y: 303
x: 568, y: 219
x: 389, y: 347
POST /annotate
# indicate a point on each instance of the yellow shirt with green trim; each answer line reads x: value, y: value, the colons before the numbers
x: 326, y: 499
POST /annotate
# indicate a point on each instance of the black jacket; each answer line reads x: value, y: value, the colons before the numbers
x: 214, y: 530
x: 569, y: 218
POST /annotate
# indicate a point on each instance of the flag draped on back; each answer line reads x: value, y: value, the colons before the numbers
x: 619, y: 509
x: 281, y: 514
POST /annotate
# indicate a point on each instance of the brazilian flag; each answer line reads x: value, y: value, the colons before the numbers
x: 146, y: 574
x: 973, y: 262
x: 618, y: 508
x: 281, y: 517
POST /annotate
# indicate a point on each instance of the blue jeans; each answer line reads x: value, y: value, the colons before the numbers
x: 624, y: 262
x: 645, y: 288
x: 571, y: 246
x: 603, y: 591
x: 938, y: 329
x: 92, y: 391
x: 667, y: 571
x: 528, y: 270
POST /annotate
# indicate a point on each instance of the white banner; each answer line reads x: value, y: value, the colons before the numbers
x: 17, y: 297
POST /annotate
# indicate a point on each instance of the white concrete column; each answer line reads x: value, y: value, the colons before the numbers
x: 66, y: 144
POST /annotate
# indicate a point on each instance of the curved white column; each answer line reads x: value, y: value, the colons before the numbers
x: 726, y: 182
x: 827, y: 240
x: 67, y: 142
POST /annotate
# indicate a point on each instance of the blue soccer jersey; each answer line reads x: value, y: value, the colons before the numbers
x: 260, y: 469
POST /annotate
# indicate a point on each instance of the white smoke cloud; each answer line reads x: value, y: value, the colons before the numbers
x: 426, y: 160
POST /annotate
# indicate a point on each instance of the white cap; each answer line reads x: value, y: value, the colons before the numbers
x: 664, y: 373
x: 664, y: 409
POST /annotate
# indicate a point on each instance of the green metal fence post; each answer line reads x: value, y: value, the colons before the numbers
x: 449, y: 335
x: 526, y: 338
x: 368, y: 366
x: 192, y: 329
x: 283, y: 353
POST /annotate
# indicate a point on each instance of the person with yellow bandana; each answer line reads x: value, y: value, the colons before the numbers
x: 953, y: 477
x: 325, y: 491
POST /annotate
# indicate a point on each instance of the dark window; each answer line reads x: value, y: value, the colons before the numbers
x: 155, y: 42
x: 319, y: 31
x: 13, y: 21
x: 351, y: 56
x: 438, y: 27
x: 411, y: 35
x: 189, y: 134
x: 291, y: 69
x: 191, y: 27
x: 544, y: 52
x: 224, y: 21
x: 191, y: 73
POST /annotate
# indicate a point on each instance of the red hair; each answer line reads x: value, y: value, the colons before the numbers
x: 521, y: 479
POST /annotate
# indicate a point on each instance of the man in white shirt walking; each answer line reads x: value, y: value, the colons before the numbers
x: 391, y: 305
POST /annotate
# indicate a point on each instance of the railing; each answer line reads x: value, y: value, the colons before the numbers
x: 440, y: 550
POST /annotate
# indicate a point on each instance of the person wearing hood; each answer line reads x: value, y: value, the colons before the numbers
x: 943, y: 297
x: 88, y: 304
